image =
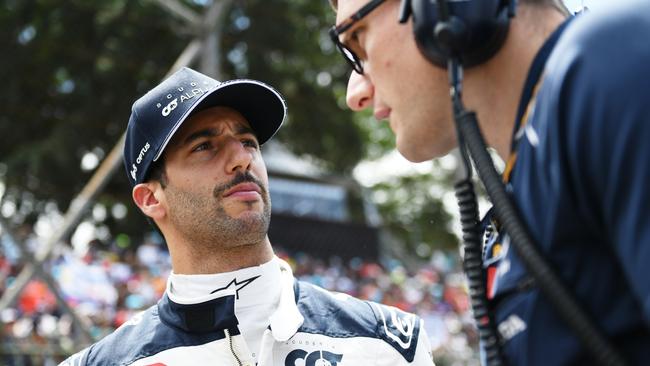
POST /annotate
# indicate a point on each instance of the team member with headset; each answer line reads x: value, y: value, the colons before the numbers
x: 565, y: 102
x: 192, y: 156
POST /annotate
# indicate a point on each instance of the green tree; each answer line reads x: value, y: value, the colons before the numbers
x: 413, y: 210
x: 71, y: 70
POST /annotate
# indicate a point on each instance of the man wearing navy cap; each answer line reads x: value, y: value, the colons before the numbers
x: 192, y: 155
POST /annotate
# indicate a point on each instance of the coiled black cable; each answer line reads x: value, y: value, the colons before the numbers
x: 473, y: 267
x: 547, y: 279
x: 472, y: 240
x: 471, y: 143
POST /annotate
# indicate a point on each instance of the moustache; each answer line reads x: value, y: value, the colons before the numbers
x: 239, y: 178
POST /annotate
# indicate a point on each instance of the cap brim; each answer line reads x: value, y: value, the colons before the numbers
x: 261, y: 105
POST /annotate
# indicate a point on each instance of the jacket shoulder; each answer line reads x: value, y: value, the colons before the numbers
x: 339, y: 315
x: 125, y: 345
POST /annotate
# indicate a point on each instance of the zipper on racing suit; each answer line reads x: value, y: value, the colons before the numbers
x: 232, y: 347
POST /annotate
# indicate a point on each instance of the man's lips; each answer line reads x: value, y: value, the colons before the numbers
x: 382, y: 113
x: 243, y: 190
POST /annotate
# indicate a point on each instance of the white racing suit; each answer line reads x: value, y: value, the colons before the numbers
x: 310, y: 327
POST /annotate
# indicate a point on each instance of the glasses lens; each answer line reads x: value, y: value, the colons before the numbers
x: 350, y: 57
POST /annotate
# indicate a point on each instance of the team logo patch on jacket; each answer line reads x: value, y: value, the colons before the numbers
x: 315, y: 358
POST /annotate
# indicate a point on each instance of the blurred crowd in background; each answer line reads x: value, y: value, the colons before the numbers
x: 109, y: 283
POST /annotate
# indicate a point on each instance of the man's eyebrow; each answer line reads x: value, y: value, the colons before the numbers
x: 212, y: 132
x: 243, y: 130
x: 208, y: 132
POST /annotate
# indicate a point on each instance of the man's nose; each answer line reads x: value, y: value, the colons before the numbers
x: 360, y: 92
x: 239, y: 156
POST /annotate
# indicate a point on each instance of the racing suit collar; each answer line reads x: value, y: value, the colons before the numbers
x: 216, y: 311
x: 213, y: 315
x: 286, y: 320
x: 253, y: 286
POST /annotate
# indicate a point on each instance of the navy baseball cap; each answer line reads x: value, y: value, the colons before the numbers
x: 157, y: 115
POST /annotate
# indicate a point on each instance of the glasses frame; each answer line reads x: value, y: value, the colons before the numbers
x: 337, y: 30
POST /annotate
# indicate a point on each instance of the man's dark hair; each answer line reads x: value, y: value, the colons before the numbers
x: 157, y: 172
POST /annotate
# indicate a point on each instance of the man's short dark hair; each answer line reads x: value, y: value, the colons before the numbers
x: 157, y: 172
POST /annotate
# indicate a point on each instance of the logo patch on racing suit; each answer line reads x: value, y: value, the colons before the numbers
x: 316, y: 358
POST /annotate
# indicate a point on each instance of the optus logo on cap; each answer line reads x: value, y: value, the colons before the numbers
x: 138, y: 160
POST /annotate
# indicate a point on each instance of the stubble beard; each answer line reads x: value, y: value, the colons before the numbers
x: 209, y: 228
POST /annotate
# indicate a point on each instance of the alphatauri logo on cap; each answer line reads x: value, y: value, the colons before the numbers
x: 138, y: 160
x: 194, y: 91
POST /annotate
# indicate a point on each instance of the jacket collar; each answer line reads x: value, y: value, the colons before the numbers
x: 216, y: 312
x: 287, y: 319
x: 209, y: 316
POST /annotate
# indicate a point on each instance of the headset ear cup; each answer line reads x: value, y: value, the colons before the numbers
x: 451, y: 36
x: 474, y: 32
x: 424, y: 30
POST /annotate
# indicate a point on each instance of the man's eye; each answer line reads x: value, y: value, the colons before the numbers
x: 354, y: 44
x: 250, y: 143
x: 202, y: 146
x: 354, y: 35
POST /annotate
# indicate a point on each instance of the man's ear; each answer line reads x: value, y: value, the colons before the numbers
x: 145, y: 198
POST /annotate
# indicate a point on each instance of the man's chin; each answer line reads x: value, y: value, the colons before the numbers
x: 242, y: 207
x: 418, y: 152
x: 414, y: 155
x: 252, y: 215
x: 246, y: 215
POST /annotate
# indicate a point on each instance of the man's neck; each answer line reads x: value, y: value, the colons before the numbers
x: 494, y: 89
x: 187, y: 259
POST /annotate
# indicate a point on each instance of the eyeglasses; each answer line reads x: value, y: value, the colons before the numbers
x: 337, y: 30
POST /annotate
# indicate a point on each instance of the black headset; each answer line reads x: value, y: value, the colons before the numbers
x: 471, y: 30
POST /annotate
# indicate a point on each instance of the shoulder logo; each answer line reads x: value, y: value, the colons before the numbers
x: 399, y: 327
x: 316, y: 358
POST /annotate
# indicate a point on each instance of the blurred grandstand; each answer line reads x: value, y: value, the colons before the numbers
x: 109, y: 285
